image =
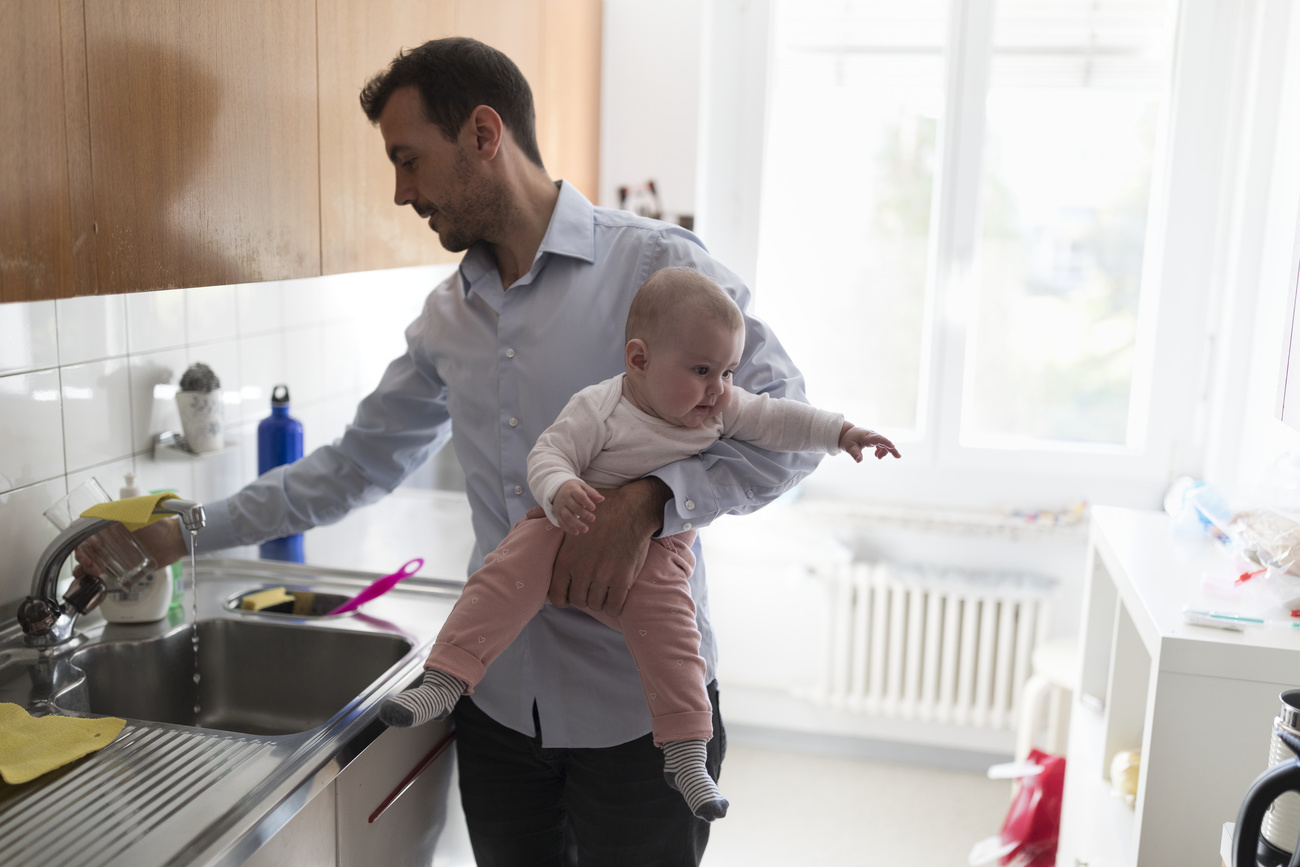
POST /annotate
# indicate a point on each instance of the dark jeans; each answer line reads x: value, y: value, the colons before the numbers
x: 610, y: 807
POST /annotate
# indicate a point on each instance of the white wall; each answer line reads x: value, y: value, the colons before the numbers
x: 78, y: 377
x: 650, y: 73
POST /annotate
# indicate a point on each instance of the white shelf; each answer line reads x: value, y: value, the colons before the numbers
x: 1198, y: 701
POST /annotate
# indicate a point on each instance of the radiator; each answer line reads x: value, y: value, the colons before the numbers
x: 935, y: 645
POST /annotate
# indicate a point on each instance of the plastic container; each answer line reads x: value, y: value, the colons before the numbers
x: 148, y: 598
x: 279, y: 441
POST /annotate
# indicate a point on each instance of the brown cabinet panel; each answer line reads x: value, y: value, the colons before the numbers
x: 509, y: 26
x: 361, y: 228
x: 35, y: 217
x: 162, y: 144
x: 568, y: 92
x: 203, y: 131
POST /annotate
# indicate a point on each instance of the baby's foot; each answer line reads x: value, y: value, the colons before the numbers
x: 685, y: 771
x: 433, y: 699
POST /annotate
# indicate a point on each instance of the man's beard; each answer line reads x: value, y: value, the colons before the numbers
x: 479, y: 212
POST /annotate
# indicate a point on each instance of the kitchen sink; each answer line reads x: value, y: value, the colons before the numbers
x: 254, y: 677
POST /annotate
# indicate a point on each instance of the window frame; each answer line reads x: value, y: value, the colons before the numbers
x: 1169, y: 404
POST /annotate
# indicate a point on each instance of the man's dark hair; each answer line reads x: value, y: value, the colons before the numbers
x: 455, y: 76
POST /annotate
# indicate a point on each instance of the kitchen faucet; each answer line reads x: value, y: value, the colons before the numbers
x: 44, y: 621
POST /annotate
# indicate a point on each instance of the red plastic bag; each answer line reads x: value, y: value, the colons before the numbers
x: 1034, y: 820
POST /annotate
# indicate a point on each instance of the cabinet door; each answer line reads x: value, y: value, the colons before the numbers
x: 361, y: 228
x: 555, y: 43
x: 203, y: 130
x: 568, y: 92
x: 394, y: 799
x: 41, y: 69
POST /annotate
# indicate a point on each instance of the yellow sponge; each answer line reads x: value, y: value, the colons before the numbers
x: 30, y: 746
x: 264, y: 599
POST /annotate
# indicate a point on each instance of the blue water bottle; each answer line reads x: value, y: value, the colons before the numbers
x: 279, y: 441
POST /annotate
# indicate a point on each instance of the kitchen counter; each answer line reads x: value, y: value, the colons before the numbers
x: 165, y: 794
x: 381, y: 537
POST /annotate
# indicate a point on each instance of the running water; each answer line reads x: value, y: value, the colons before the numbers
x: 194, y: 618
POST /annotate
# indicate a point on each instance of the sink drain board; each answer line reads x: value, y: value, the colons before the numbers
x: 93, y: 811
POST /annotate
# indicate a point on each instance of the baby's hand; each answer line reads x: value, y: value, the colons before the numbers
x: 855, y: 440
x: 575, y: 505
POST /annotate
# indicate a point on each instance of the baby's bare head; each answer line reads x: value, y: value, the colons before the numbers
x: 673, y: 296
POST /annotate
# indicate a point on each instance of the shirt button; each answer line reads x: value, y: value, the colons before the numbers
x: 510, y: 353
x: 519, y: 489
x: 514, y: 422
x: 686, y: 526
x: 690, y: 505
x: 749, y: 494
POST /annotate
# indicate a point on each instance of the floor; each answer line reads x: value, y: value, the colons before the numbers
x: 802, y: 809
x: 793, y: 808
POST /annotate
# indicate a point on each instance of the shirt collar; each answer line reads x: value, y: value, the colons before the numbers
x: 571, y: 232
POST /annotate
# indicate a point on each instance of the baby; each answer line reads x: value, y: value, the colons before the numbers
x: 684, y: 339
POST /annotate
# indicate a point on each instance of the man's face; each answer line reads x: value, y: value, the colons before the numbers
x: 436, y: 176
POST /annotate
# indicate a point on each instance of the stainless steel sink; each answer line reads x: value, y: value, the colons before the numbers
x: 255, y: 678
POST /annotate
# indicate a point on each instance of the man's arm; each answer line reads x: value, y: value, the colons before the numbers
x: 396, y: 428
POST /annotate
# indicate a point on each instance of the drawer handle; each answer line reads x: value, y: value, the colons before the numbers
x: 438, y: 749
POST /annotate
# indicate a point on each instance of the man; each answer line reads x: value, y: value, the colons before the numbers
x: 554, y: 746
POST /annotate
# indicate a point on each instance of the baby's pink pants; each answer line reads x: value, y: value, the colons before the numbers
x: 658, y: 623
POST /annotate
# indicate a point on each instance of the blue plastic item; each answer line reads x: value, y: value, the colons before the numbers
x: 279, y: 441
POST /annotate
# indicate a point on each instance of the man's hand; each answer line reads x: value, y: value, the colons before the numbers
x: 856, y: 441
x: 575, y: 506
x: 163, y: 541
x: 596, y: 569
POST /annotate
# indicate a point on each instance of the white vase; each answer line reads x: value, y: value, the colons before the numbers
x: 201, y: 420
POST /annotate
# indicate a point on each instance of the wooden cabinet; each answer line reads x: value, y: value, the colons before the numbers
x: 203, y: 141
x: 555, y: 43
x: 36, y: 229
x: 361, y: 228
x: 166, y: 144
x: 567, y: 91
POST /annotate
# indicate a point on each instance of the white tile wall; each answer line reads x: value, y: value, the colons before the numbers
x: 86, y: 383
x: 30, y: 337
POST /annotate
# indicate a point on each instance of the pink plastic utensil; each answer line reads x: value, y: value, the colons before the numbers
x: 380, y: 586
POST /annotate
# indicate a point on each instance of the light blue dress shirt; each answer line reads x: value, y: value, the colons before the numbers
x: 491, y: 369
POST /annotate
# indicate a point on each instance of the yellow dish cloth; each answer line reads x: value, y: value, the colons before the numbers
x: 134, y: 512
x: 31, y: 746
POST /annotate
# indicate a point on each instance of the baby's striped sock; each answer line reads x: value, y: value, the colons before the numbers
x: 432, y: 699
x: 685, y: 771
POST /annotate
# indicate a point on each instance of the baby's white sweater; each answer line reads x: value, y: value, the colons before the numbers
x: 602, y: 438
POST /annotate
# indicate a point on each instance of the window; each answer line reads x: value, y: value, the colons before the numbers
x: 955, y: 235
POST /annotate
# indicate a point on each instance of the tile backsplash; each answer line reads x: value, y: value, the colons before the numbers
x: 87, y: 383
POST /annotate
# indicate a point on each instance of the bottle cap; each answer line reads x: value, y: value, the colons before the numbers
x: 280, y: 395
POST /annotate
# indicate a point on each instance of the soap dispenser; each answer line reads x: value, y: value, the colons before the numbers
x: 150, y: 596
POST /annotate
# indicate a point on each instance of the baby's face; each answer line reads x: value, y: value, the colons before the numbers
x: 688, y: 377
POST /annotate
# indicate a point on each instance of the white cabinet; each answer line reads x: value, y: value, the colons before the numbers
x: 1199, y: 702
x: 397, y: 801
